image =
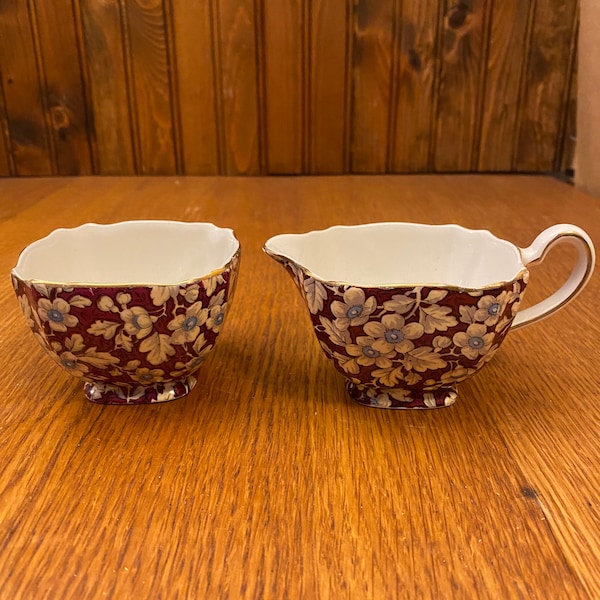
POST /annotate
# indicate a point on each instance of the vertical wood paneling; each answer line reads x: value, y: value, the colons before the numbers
x: 547, y: 76
x: 251, y: 87
x: 63, y: 89
x: 461, y: 82
x: 30, y: 146
x: 107, y: 87
x: 238, y: 73
x: 151, y: 87
x: 285, y: 82
x: 329, y: 79
x: 566, y: 151
x: 372, y: 62
x: 415, y: 98
x: 6, y: 167
x: 507, y: 47
x: 192, y: 29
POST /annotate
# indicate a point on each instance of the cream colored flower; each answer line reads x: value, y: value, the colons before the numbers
x: 191, y: 365
x: 56, y: 314
x: 354, y: 310
x: 216, y: 312
x: 73, y: 364
x: 490, y: 308
x: 475, y: 341
x: 186, y: 327
x: 366, y: 355
x: 393, y: 333
x: 137, y: 321
x: 77, y: 359
x: 147, y: 376
x: 216, y: 315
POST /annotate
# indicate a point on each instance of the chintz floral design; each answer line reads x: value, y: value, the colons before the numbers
x: 408, y: 347
x: 131, y: 337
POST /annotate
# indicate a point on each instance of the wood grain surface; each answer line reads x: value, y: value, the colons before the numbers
x: 107, y: 74
x: 507, y: 47
x: 147, y: 54
x: 29, y: 147
x: 418, y: 76
x: 196, y: 92
x: 267, y: 481
x: 372, y: 59
x: 462, y: 79
x: 546, y: 82
x: 257, y: 87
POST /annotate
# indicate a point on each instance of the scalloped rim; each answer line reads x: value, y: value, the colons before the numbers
x: 284, y: 257
x: 189, y: 224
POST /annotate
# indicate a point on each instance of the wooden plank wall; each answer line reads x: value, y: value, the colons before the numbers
x: 286, y: 86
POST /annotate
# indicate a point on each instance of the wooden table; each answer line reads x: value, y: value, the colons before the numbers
x: 267, y: 481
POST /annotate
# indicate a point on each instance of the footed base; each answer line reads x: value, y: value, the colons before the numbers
x: 401, y: 399
x: 104, y: 393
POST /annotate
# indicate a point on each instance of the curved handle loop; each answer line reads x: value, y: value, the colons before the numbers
x: 580, y: 275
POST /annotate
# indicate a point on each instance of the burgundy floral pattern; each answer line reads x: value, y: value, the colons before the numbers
x: 131, y: 344
x: 407, y: 347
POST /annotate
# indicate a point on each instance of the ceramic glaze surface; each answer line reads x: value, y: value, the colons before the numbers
x: 407, y: 347
x: 131, y: 344
x: 150, y: 252
x: 407, y: 253
x: 406, y: 311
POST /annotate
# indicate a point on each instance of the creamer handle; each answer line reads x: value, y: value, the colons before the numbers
x: 581, y: 273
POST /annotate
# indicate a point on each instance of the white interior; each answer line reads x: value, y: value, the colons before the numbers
x: 151, y: 252
x: 402, y: 253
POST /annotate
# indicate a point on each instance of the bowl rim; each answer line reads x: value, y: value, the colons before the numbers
x: 32, y: 281
x: 283, y: 257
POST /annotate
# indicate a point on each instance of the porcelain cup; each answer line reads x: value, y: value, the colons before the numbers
x: 406, y: 311
x: 131, y: 308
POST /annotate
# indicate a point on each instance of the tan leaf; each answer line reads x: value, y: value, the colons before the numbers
x: 399, y: 303
x: 389, y: 377
x: 467, y: 314
x: 437, y: 318
x: 423, y: 359
x: 123, y: 341
x: 107, y: 329
x: 336, y: 335
x: 161, y: 293
x: 43, y: 289
x: 75, y: 343
x: 435, y: 296
x: 348, y: 364
x: 79, y: 301
x: 158, y: 347
x: 315, y: 294
x: 98, y: 359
